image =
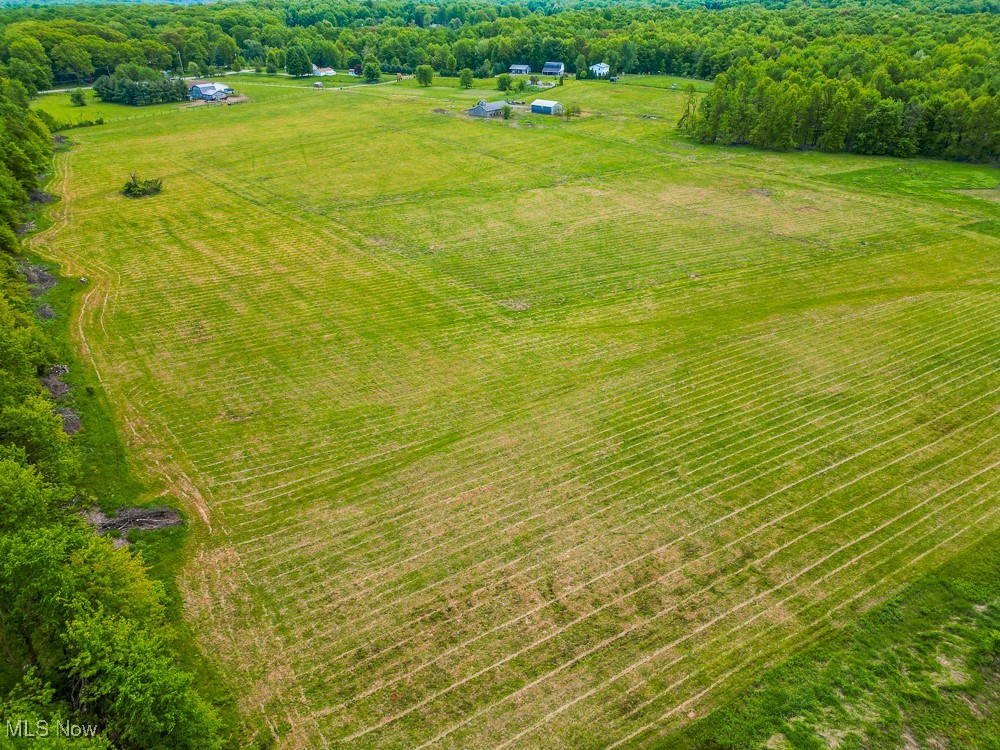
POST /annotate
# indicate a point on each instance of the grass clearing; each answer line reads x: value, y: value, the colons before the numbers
x: 508, y: 436
x: 64, y: 111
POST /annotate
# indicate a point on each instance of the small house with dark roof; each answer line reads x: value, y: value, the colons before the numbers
x: 487, y: 109
x: 553, y: 69
x: 520, y: 70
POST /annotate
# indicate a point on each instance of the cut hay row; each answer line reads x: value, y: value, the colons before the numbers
x: 802, y: 445
x: 729, y: 636
x: 606, y: 489
x: 513, y: 437
x: 374, y: 612
x: 642, y: 623
x: 948, y: 524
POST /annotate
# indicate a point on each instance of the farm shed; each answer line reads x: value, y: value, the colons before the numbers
x: 520, y: 70
x: 546, y: 107
x: 487, y: 109
x: 553, y: 69
x: 210, y: 92
x: 600, y: 69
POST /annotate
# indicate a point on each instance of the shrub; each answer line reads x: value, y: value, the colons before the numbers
x: 136, y: 188
x: 78, y: 98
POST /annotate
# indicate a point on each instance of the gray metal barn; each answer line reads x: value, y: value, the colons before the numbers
x: 546, y: 107
x: 487, y: 109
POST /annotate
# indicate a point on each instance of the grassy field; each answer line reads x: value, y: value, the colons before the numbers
x: 64, y: 111
x: 539, y: 434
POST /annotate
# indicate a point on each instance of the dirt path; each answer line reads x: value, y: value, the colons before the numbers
x: 103, y: 284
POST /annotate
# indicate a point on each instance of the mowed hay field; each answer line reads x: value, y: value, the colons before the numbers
x: 533, y: 435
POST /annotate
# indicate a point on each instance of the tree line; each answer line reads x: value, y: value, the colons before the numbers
x: 750, y: 105
x: 84, y: 638
x: 903, y: 78
x: 138, y: 85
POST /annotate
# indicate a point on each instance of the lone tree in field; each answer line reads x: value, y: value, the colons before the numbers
x: 507, y: 111
x: 505, y: 81
x: 465, y: 78
x: 78, y: 98
x: 371, y: 71
x: 425, y: 75
x: 297, y: 62
x: 136, y: 188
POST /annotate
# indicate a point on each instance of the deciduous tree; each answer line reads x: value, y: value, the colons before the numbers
x: 424, y: 75
x: 297, y: 62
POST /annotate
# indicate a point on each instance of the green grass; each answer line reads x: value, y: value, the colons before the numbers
x: 508, y: 436
x: 107, y: 476
x: 664, y: 82
x: 64, y: 111
x: 920, y: 669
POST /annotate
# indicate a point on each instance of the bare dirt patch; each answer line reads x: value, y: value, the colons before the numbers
x: 517, y: 305
x: 71, y: 423
x: 126, y: 519
x: 53, y: 381
x: 40, y: 196
x: 223, y: 103
x: 39, y: 278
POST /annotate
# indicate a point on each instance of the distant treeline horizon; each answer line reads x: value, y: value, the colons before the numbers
x: 882, y: 78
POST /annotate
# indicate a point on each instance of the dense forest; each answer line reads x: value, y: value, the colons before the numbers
x: 83, y: 634
x: 898, y: 78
